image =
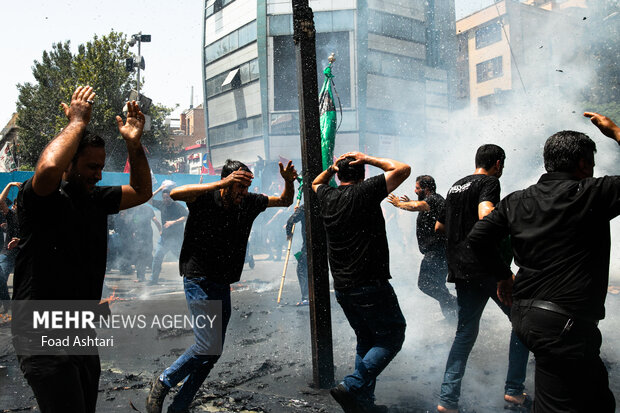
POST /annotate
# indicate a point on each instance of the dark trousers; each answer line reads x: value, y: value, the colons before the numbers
x: 63, y: 384
x: 570, y: 375
x: 374, y: 314
x: 432, y: 282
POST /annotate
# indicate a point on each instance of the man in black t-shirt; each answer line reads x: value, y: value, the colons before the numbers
x: 434, y: 267
x: 561, y: 240
x: 469, y: 200
x: 63, y: 241
x: 173, y: 216
x: 216, y: 236
x: 359, y: 262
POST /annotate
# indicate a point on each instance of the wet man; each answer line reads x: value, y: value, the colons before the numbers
x: 173, y: 217
x: 469, y: 200
x: 359, y: 262
x: 432, y: 244
x: 63, y: 228
x: 216, y: 235
x: 561, y: 240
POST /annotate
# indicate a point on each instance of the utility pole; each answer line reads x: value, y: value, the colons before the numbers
x: 316, y: 241
x: 139, y: 63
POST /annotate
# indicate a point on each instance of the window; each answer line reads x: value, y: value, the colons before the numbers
x: 213, y: 6
x: 391, y: 65
x: 488, y: 35
x: 235, y: 131
x: 231, y: 42
x: 489, y: 69
x: 248, y: 72
x: 399, y: 27
x: 285, y: 73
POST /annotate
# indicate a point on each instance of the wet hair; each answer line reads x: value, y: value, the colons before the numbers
x: 88, y: 139
x: 231, y: 166
x: 426, y: 182
x: 348, y: 172
x: 488, y: 155
x: 564, y: 149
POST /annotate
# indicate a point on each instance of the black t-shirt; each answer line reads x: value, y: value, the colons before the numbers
x: 216, y: 237
x: 358, y: 248
x: 428, y: 239
x: 560, y: 236
x: 170, y: 211
x: 459, y: 216
x: 63, y: 242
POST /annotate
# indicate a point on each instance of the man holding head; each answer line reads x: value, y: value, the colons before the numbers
x: 561, y: 241
x: 359, y: 262
x: 469, y: 200
x: 63, y: 228
x: 216, y: 236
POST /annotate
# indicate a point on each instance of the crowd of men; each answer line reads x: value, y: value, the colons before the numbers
x: 557, y: 230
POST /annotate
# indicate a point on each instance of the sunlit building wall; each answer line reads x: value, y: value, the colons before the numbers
x: 391, y: 74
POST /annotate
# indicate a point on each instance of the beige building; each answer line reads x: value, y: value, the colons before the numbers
x: 509, y: 47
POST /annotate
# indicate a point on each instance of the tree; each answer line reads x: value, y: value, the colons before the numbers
x: 99, y: 63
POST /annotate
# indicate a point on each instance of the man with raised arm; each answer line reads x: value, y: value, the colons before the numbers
x: 434, y: 265
x: 216, y: 235
x: 359, y: 262
x: 560, y: 235
x: 63, y: 228
x: 469, y: 200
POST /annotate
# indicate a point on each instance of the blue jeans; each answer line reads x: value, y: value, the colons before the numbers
x: 194, y: 364
x: 164, y: 245
x: 472, y: 297
x: 7, y: 264
x: 375, y: 316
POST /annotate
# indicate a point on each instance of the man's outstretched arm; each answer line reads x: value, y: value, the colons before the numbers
x: 289, y: 174
x: 605, y: 125
x: 189, y: 193
x: 139, y: 189
x: 407, y: 204
x: 57, y: 155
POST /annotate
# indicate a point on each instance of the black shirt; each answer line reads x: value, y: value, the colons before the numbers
x: 358, y: 248
x: 459, y: 216
x: 63, y: 242
x: 170, y: 211
x: 561, y: 240
x: 428, y: 239
x: 216, y: 237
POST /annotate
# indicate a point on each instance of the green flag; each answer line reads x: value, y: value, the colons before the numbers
x: 327, y: 112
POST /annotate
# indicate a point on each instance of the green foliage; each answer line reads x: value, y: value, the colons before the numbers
x: 99, y: 63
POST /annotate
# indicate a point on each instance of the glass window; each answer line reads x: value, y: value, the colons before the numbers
x: 399, y: 27
x: 281, y: 24
x: 323, y: 21
x: 489, y: 69
x: 254, y: 72
x: 343, y: 20
x: 244, y: 73
x: 488, y: 35
x: 232, y: 42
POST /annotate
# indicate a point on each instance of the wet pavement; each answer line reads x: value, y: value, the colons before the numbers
x: 266, y: 365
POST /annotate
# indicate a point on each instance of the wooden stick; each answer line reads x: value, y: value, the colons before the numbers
x: 288, y: 254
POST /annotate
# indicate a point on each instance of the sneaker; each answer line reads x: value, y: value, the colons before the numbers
x: 155, y: 399
x: 303, y: 303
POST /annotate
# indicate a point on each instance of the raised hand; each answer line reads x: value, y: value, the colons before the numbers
x: 134, y: 125
x: 605, y: 125
x: 239, y: 176
x: 289, y: 174
x: 81, y: 107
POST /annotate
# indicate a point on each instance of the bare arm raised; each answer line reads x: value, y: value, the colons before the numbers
x: 407, y: 204
x: 605, y: 125
x: 139, y: 189
x: 289, y: 174
x: 57, y: 155
x: 189, y: 193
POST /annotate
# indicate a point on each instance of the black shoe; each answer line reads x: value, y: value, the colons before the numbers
x: 155, y: 399
x: 345, y: 399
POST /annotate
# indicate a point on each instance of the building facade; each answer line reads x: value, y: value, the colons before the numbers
x: 392, y: 74
x: 513, y: 47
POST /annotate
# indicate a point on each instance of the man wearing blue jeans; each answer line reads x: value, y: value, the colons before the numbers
x: 469, y: 200
x: 214, y: 247
x: 359, y: 262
